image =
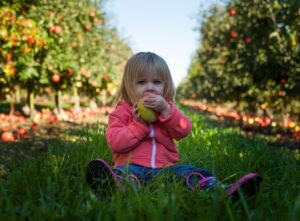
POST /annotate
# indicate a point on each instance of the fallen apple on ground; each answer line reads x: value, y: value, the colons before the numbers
x: 22, y: 132
x: 147, y: 114
x: 7, y: 136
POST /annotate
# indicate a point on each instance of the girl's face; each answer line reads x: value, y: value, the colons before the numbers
x: 148, y: 83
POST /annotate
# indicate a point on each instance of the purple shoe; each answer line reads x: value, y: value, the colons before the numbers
x: 249, y: 185
x: 99, y: 176
x: 203, y: 182
x: 134, y: 182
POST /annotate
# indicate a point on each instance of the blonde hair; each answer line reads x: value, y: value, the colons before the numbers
x: 138, y: 65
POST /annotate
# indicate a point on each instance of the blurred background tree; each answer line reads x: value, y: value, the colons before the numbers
x: 248, y: 55
x: 61, y: 46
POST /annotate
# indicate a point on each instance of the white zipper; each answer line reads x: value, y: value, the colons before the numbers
x: 153, y: 147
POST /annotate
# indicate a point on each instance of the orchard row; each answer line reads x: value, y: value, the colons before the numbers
x: 249, y: 54
x: 18, y: 127
x: 249, y: 122
x: 60, y: 46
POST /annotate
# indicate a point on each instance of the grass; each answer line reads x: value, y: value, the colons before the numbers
x: 49, y: 184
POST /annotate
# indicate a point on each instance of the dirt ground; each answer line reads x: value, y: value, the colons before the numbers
x: 45, y: 130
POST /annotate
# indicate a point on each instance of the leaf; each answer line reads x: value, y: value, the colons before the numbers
x: 43, y: 80
x: 274, y: 34
x: 28, y: 73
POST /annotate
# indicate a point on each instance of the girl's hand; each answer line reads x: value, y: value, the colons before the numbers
x: 136, y: 114
x: 158, y: 104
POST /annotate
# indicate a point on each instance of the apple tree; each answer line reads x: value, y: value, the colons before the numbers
x: 21, y: 40
x: 249, y: 54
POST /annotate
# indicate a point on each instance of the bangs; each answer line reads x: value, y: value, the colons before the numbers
x: 153, y: 67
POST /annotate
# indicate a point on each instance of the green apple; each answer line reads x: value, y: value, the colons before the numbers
x: 147, y: 114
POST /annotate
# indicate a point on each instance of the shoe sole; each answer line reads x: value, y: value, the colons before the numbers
x: 99, y: 175
x: 249, y: 185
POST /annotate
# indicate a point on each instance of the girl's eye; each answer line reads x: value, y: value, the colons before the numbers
x: 157, y: 82
x: 141, y: 82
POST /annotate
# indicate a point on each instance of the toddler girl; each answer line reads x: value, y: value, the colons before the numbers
x: 142, y: 150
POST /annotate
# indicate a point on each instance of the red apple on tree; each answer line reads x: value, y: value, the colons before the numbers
x: 69, y: 73
x: 73, y: 44
x: 51, y: 29
x: 105, y: 77
x: 87, y: 26
x: 30, y: 40
x: 55, y: 78
x: 233, y: 34
x: 8, y: 57
x: 57, y: 29
x: 248, y: 40
x: 91, y: 14
x: 232, y: 11
x: 48, y: 90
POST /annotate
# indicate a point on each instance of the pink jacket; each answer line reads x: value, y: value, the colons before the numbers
x: 132, y: 142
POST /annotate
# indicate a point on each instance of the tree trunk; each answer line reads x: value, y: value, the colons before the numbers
x: 18, y: 100
x: 31, y: 103
x: 93, y: 105
x: 29, y: 109
x: 76, y: 100
x: 12, y: 102
x: 238, y: 102
x: 104, y: 97
x: 58, y: 108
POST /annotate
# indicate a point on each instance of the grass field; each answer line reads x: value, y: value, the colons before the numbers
x: 46, y: 181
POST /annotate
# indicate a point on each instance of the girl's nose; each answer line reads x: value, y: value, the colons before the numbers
x: 149, y: 86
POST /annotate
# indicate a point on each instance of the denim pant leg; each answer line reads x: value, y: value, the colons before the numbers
x: 142, y: 173
x: 182, y: 171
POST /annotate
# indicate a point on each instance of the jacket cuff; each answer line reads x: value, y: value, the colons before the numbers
x: 171, y: 119
x: 138, y: 129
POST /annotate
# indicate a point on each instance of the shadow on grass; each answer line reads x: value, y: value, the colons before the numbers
x: 60, y: 138
x: 5, y: 106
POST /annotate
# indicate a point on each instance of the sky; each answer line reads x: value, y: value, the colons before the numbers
x: 165, y: 27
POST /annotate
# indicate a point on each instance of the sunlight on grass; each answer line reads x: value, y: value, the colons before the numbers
x: 51, y: 184
x: 297, y: 154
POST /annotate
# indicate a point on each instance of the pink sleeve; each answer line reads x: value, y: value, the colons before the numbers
x: 123, y: 138
x: 178, y: 125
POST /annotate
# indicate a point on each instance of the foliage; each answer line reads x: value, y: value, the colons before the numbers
x: 59, y: 44
x: 21, y: 39
x: 249, y: 53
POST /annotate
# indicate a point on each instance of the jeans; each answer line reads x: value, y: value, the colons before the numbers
x: 145, y: 174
